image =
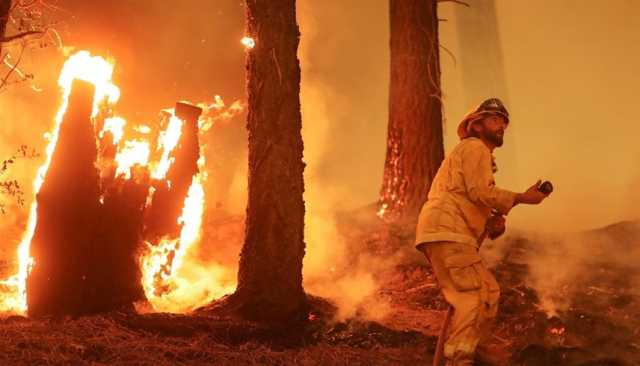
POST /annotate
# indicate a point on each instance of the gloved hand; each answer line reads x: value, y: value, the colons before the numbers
x: 496, y: 225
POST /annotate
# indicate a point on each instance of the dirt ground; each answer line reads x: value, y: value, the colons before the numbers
x: 601, y: 327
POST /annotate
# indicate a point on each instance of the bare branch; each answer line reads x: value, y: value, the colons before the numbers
x: 455, y: 1
x: 455, y: 61
x: 6, y: 77
x: 19, y: 36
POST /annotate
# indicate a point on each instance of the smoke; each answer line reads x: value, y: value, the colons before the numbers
x: 573, y: 119
x: 563, y: 266
x: 343, y: 97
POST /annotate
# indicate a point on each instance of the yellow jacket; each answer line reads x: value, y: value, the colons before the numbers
x: 462, y: 195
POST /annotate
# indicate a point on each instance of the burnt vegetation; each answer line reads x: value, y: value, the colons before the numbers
x: 93, y: 226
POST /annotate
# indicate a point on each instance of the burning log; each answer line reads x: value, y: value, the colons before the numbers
x: 168, y: 199
x: 68, y: 208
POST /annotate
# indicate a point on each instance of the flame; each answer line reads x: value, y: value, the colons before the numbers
x: 134, y: 152
x: 173, y: 280
x: 143, y: 129
x: 168, y: 141
x: 115, y: 125
x: 248, y: 42
x: 83, y: 66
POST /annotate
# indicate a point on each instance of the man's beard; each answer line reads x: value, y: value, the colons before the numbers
x: 494, y: 137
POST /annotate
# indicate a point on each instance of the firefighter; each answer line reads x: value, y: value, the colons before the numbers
x: 456, y: 218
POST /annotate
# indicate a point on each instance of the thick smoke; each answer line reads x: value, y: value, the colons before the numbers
x: 344, y: 61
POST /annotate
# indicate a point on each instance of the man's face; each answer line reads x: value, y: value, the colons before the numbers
x: 492, y: 129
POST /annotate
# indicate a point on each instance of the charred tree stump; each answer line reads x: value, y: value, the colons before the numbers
x: 168, y: 199
x: 270, y: 272
x: 68, y: 208
x: 116, y: 274
x: 414, y: 143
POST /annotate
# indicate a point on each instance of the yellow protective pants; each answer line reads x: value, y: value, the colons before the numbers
x: 471, y: 289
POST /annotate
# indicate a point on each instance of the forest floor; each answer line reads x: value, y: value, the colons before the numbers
x: 598, y: 326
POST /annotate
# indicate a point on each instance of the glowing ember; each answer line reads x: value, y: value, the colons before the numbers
x: 83, y: 66
x: 248, y: 42
x: 557, y: 331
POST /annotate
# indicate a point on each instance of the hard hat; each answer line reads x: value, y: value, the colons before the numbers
x: 490, y: 106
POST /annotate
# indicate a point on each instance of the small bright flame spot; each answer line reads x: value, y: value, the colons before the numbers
x: 134, y: 153
x: 382, y: 210
x: 115, y: 125
x: 248, y: 42
x: 143, y: 129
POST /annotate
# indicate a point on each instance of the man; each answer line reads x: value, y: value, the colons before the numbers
x: 456, y: 218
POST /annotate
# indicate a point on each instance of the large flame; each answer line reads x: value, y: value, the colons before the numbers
x: 83, y: 66
x: 173, y: 278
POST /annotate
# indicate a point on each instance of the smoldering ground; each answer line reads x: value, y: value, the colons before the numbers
x: 562, y: 104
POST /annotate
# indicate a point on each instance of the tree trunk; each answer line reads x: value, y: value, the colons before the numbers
x: 414, y: 143
x: 270, y: 272
x: 5, y: 8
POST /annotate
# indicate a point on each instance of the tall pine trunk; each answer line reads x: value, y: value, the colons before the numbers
x: 5, y: 9
x: 414, y: 143
x: 270, y: 272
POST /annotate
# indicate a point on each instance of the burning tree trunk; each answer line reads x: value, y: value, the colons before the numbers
x: 270, y: 272
x: 414, y: 146
x: 171, y: 192
x: 68, y: 204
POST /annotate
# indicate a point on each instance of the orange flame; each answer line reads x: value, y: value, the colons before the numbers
x: 173, y: 279
x: 168, y: 141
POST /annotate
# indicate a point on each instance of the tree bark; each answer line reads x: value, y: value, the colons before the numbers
x: 270, y: 272
x: 5, y: 8
x: 415, y: 146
